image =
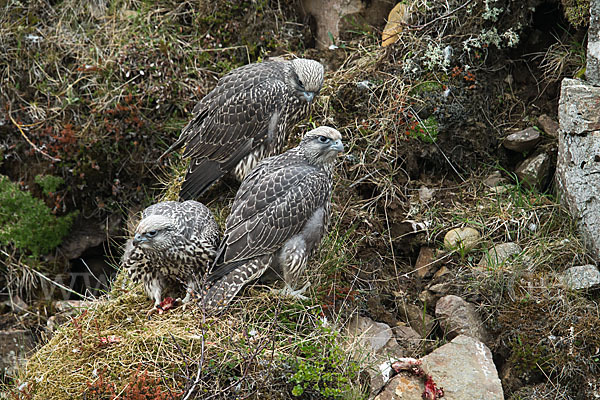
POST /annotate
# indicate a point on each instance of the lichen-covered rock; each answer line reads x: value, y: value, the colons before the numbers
x: 581, y: 277
x: 548, y: 125
x: 499, y: 255
x: 578, y: 162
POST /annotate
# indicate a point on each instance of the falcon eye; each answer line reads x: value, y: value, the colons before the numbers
x: 323, y: 139
x: 151, y: 233
x: 300, y: 83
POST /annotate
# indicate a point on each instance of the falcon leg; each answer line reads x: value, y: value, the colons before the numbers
x: 297, y: 294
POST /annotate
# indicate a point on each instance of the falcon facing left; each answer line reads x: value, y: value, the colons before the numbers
x: 278, y: 218
x: 172, y: 246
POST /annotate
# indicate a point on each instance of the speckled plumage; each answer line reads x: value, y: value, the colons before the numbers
x: 278, y: 218
x: 172, y: 246
x: 246, y: 118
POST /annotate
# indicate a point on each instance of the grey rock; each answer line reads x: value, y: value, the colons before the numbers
x: 86, y: 234
x: 522, y: 141
x: 408, y: 339
x: 372, y: 335
x: 458, y: 317
x: 534, y: 171
x: 578, y: 161
x: 578, y: 108
x: 581, y: 277
x: 592, y: 70
x: 16, y: 345
x: 499, y: 255
x: 439, y: 289
x: 464, y: 368
x: 548, y: 125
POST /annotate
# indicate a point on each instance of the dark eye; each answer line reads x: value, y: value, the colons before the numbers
x: 301, y: 83
x: 323, y: 139
x: 151, y: 233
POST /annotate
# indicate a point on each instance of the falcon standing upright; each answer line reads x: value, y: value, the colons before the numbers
x: 173, y: 244
x: 278, y: 218
x: 244, y: 119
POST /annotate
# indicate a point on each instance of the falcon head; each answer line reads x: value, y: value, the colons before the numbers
x: 322, y: 145
x: 307, y: 78
x: 155, y: 233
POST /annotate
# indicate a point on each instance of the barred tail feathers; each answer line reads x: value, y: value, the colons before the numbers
x: 224, y: 290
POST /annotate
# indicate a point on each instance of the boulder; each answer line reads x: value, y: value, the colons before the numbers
x: 464, y: 368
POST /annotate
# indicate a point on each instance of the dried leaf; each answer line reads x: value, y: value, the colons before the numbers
x: 398, y: 17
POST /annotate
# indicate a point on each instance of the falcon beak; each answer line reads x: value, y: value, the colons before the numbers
x: 309, y: 96
x: 139, y: 238
x: 338, y: 146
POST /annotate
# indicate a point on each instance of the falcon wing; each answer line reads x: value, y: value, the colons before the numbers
x: 273, y: 210
x: 221, y: 139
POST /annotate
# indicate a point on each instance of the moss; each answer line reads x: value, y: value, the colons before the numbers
x: 27, y: 223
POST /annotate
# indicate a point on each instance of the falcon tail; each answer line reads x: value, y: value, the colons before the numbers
x: 199, y: 178
x: 219, y: 296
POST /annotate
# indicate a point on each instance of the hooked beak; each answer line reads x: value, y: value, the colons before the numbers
x: 309, y: 96
x: 337, y: 146
x: 139, y: 238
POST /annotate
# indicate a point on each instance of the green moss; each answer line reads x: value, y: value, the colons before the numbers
x: 27, y: 223
x: 426, y: 130
x: 48, y: 183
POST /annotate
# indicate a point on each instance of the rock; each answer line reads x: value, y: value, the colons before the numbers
x: 498, y: 255
x: 579, y: 158
x: 457, y: 317
x: 15, y: 345
x: 441, y: 272
x: 418, y: 319
x: 465, y: 239
x: 372, y: 335
x: 330, y: 16
x: 592, y: 69
x: 464, y: 368
x: 86, y: 234
x: 548, y: 125
x: 398, y: 18
x: 494, y: 179
x: 522, y: 141
x: 581, y: 277
x: 426, y: 262
x: 408, y: 339
x: 439, y: 289
x: 428, y: 297
x: 534, y: 171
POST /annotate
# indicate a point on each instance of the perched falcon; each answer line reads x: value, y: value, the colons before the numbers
x: 244, y: 119
x: 278, y: 217
x: 173, y: 244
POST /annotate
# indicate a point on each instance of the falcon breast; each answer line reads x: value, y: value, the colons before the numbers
x: 172, y: 246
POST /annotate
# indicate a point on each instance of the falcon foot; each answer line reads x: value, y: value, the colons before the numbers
x: 289, y: 292
x: 164, y: 306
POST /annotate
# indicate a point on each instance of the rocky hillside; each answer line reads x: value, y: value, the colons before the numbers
x: 447, y: 244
